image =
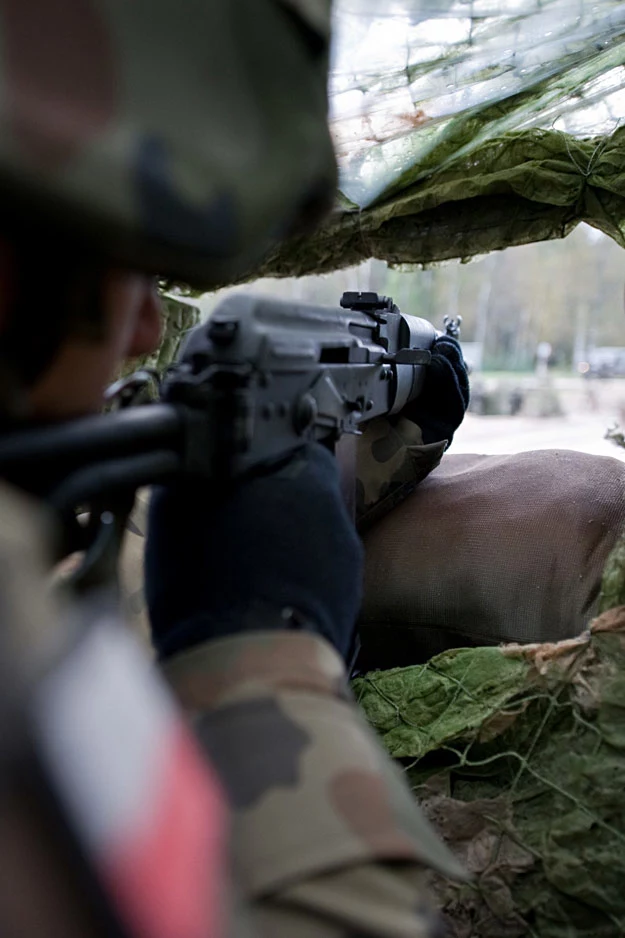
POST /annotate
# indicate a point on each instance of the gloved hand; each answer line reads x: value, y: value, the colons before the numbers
x: 441, y: 406
x: 279, y: 552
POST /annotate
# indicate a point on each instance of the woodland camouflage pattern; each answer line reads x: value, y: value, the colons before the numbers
x: 186, y: 148
x: 321, y: 817
x: 327, y: 839
x: 391, y: 460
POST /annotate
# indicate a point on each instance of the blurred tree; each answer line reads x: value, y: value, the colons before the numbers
x: 568, y: 293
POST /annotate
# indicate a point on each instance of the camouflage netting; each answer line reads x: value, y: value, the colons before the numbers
x: 519, y: 188
x: 179, y: 315
x: 517, y: 755
x: 465, y: 126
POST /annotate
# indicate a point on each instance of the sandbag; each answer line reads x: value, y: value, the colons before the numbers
x: 491, y: 549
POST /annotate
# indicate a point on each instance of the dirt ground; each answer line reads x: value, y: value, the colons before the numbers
x: 590, y: 408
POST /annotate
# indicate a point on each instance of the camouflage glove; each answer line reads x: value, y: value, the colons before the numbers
x: 440, y: 408
x: 279, y: 553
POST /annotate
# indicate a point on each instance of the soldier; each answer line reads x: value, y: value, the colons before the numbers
x: 141, y: 140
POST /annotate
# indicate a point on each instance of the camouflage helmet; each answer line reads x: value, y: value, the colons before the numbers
x: 179, y: 138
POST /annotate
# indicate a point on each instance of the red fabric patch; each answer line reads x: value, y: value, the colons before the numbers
x: 60, y: 75
x: 167, y: 877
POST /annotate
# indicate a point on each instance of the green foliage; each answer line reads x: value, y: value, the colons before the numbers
x: 518, y: 757
x: 418, y: 709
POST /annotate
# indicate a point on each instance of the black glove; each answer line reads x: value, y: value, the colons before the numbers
x: 279, y: 552
x: 441, y: 406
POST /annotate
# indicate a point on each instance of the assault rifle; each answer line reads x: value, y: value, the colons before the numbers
x: 253, y: 383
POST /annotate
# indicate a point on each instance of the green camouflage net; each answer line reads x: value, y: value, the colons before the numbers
x: 613, y: 580
x: 517, y: 755
x: 523, y: 187
x: 179, y: 316
x: 613, y: 583
x: 419, y: 83
x: 466, y: 126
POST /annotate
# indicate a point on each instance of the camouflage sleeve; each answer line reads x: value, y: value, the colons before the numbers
x: 327, y: 839
x: 391, y: 460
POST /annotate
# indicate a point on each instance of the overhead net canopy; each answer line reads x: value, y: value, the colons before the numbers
x: 466, y: 126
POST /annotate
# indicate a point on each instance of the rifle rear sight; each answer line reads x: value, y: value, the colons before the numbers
x: 367, y: 302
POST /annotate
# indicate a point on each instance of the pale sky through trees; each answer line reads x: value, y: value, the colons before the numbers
x: 569, y: 293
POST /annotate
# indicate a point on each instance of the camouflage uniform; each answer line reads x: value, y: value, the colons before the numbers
x: 391, y: 460
x: 327, y: 839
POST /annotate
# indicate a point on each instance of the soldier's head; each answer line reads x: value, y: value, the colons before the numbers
x: 67, y: 321
x: 138, y: 140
